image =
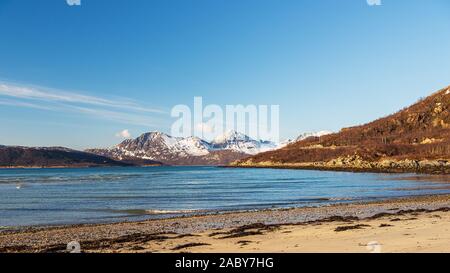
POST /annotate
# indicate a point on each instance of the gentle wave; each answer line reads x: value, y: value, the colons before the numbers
x: 68, y: 179
x: 171, y: 211
x: 153, y: 211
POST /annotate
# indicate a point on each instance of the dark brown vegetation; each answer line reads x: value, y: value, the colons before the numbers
x: 189, y: 245
x: 246, y: 230
x: 52, y: 157
x: 345, y: 228
x: 419, y: 132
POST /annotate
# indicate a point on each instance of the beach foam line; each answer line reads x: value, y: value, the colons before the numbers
x: 152, y: 211
x: 170, y: 211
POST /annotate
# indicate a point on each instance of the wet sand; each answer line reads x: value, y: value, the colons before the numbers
x: 419, y: 224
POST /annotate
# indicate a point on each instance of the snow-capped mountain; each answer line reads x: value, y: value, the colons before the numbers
x: 169, y: 150
x: 239, y: 142
x: 157, y: 143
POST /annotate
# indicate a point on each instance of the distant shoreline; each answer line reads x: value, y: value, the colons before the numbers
x: 429, y: 170
x: 75, y: 167
x: 287, y: 167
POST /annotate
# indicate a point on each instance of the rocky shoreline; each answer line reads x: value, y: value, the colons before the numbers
x: 358, y: 164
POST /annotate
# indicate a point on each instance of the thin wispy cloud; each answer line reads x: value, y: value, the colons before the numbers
x: 47, y: 94
x: 120, y: 117
x: 121, y: 110
x: 8, y: 102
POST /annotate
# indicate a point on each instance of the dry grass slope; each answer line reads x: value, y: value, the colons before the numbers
x: 415, y: 138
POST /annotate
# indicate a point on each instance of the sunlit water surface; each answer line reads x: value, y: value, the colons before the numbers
x: 68, y: 196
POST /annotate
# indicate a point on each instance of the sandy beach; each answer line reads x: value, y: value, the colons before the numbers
x: 418, y: 224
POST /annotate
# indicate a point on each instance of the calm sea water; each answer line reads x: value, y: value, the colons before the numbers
x: 66, y: 196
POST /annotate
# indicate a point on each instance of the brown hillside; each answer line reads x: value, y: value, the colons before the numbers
x: 27, y: 157
x: 419, y: 132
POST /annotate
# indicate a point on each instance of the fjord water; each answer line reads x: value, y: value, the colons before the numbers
x: 97, y: 195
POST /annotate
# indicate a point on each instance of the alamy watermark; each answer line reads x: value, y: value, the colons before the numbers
x: 374, y: 247
x: 374, y: 2
x: 73, y: 2
x: 209, y: 121
x: 73, y: 247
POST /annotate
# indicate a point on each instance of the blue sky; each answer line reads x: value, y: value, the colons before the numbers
x: 76, y: 75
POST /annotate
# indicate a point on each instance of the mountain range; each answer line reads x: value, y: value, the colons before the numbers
x: 415, y: 139
x: 169, y: 150
x: 149, y: 149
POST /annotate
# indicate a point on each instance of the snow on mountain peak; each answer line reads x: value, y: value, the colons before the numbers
x: 232, y: 140
x: 159, y: 143
x: 193, y: 146
x: 193, y: 150
x: 231, y: 136
x: 313, y: 134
